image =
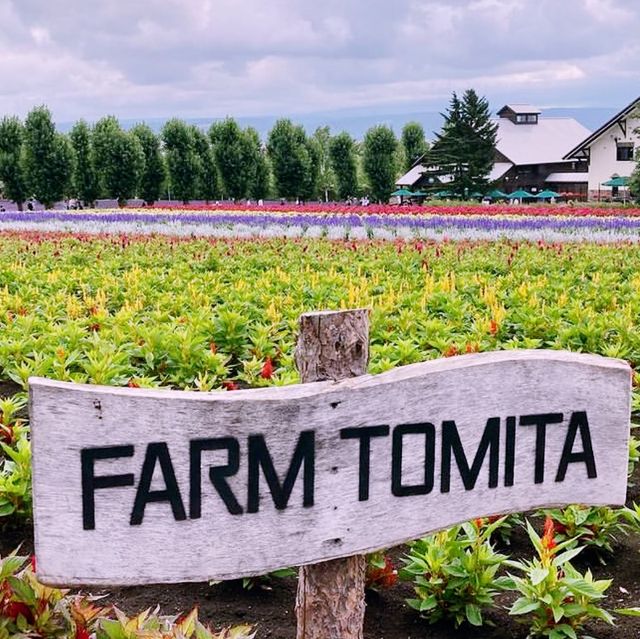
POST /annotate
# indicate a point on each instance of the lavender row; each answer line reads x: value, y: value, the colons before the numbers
x: 489, y: 223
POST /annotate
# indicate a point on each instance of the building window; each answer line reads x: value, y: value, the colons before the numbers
x: 526, y: 118
x: 624, y: 151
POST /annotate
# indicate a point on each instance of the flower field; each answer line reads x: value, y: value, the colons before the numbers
x: 551, y: 224
x: 145, y: 309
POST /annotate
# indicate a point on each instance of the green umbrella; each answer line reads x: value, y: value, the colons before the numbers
x: 617, y: 181
x: 442, y: 194
x: 497, y: 195
x: 476, y: 194
x: 547, y: 195
x: 420, y: 194
x: 402, y: 193
x: 520, y: 195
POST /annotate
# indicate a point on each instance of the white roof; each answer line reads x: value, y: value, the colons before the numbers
x: 521, y: 108
x: 498, y: 170
x: 411, y: 176
x: 568, y: 177
x: 545, y: 142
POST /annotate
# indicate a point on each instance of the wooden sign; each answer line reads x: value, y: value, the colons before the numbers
x: 136, y: 486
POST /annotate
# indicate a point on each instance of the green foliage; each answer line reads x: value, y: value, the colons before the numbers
x: 587, y: 526
x: 556, y: 600
x: 414, y: 144
x: 154, y: 173
x: 183, y: 163
x: 15, y: 474
x: 342, y: 151
x: 321, y: 141
x: 455, y: 573
x: 260, y: 173
x: 233, y: 154
x: 294, y: 166
x: 379, y: 161
x: 46, y: 159
x: 12, y: 174
x: 465, y: 147
x: 30, y: 609
x: 84, y: 177
x: 119, y: 159
x: 208, y: 184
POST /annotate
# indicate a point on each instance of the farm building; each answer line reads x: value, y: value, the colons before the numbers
x: 530, y: 154
x: 609, y: 153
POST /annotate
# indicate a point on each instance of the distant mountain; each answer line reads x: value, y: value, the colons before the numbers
x: 356, y: 122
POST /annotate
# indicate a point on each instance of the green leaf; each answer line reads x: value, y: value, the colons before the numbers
x: 538, y: 575
x: 474, y: 616
x: 629, y: 612
x: 523, y: 605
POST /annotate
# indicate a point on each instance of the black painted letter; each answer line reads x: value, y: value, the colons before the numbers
x: 429, y: 432
x: 217, y: 474
x: 259, y: 457
x: 540, y: 422
x: 364, y: 434
x: 578, y: 421
x: 157, y: 452
x: 90, y: 483
x: 451, y: 444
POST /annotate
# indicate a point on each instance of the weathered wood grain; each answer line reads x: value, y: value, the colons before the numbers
x: 470, y: 389
x: 330, y: 595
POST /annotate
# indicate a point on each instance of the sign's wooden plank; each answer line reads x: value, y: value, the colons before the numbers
x: 139, y: 486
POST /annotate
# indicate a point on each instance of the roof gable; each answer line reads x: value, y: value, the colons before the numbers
x: 589, y: 140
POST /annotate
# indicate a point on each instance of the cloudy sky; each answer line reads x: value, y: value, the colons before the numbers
x: 192, y: 58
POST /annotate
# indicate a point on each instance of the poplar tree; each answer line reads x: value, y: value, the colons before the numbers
x: 342, y: 151
x: 208, y: 187
x: 380, y: 161
x: 46, y: 159
x: 290, y: 159
x: 119, y: 160
x: 154, y: 173
x: 232, y: 154
x: 414, y: 144
x: 183, y: 163
x: 260, y: 177
x: 11, y: 171
x: 84, y: 178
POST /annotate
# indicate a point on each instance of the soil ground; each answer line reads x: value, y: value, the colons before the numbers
x: 270, y: 603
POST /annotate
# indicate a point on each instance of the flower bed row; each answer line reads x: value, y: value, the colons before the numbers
x: 353, y: 226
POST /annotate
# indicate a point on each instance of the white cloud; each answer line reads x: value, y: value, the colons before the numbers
x: 217, y: 57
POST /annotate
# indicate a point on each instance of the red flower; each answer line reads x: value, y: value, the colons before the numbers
x: 230, y: 385
x: 14, y: 609
x: 33, y: 563
x: 82, y: 633
x: 213, y: 348
x: 267, y: 369
x: 548, y: 541
x: 493, y: 327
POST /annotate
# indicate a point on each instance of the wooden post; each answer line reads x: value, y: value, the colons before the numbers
x: 332, y: 345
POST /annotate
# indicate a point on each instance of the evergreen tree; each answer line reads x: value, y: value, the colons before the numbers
x: 232, y: 153
x: 465, y: 148
x: 380, y: 161
x: 155, y: 173
x: 84, y: 177
x: 183, y: 163
x: 414, y: 144
x: 208, y: 181
x: 119, y: 160
x: 311, y: 182
x: 47, y: 158
x: 342, y: 151
x: 290, y: 160
x: 11, y: 172
x: 260, y: 176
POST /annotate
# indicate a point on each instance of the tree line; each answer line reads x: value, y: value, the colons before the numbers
x: 184, y: 162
